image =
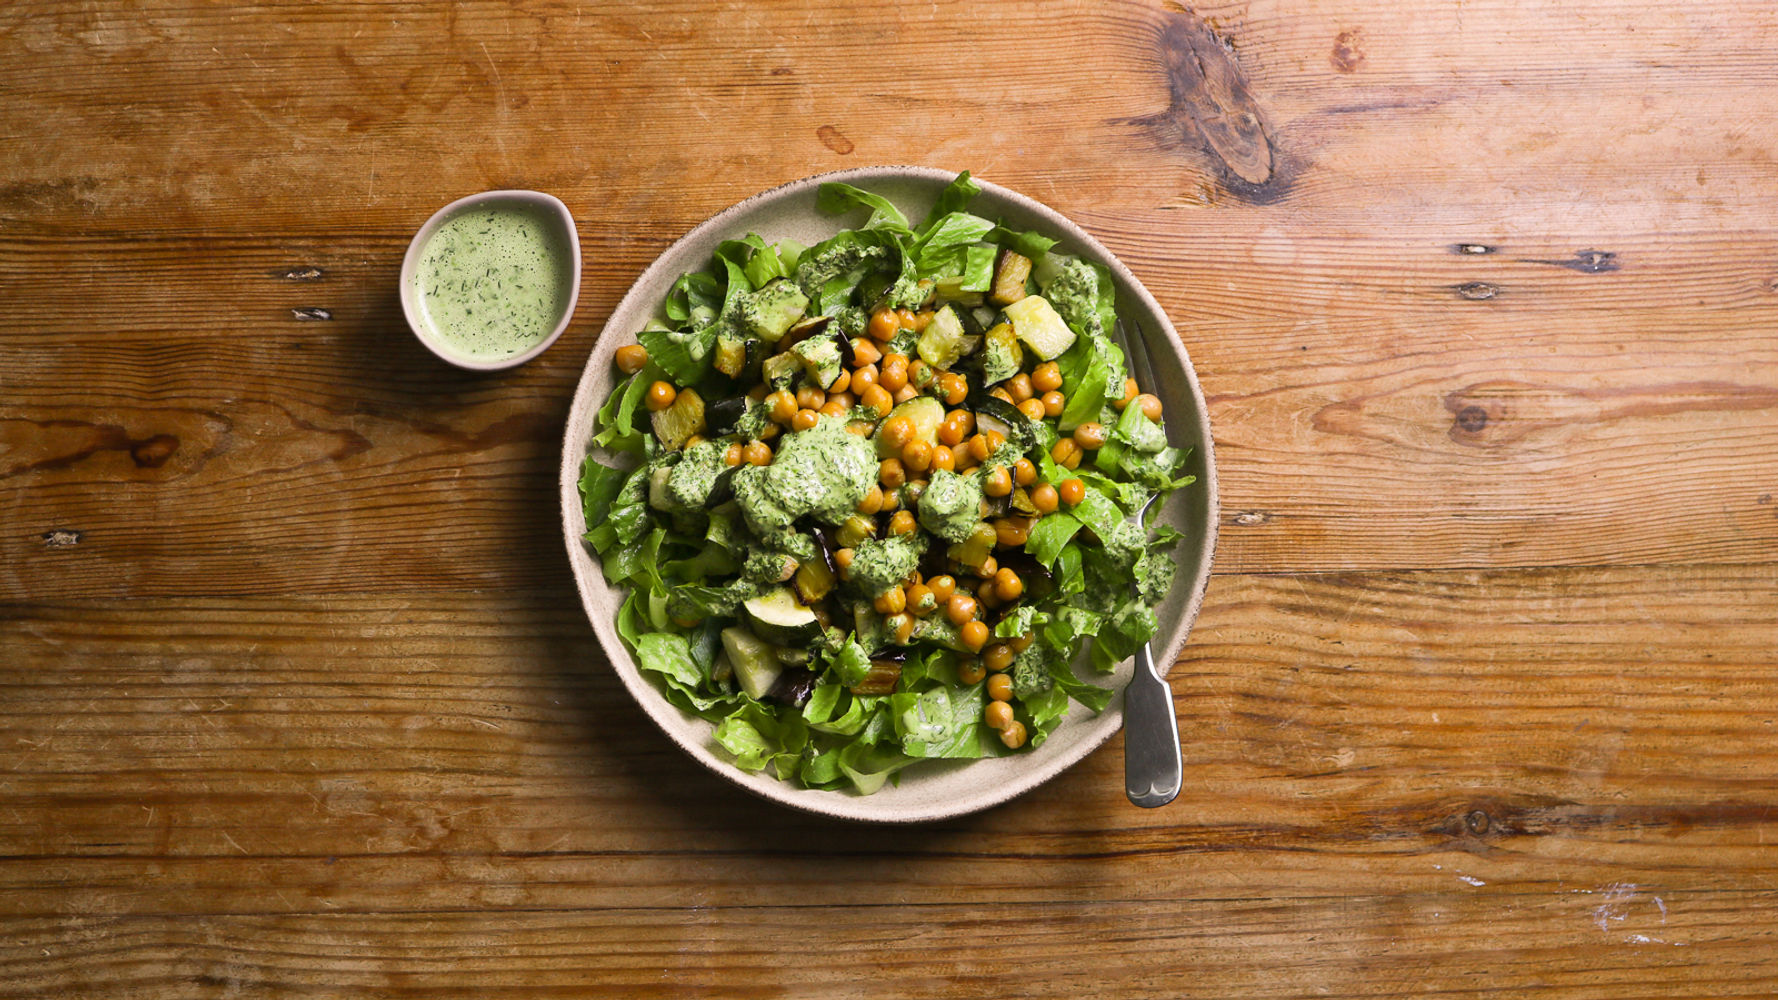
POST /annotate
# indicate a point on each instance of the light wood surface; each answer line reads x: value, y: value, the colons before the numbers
x: 296, y: 697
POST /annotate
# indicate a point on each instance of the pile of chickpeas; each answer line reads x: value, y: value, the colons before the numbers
x: 876, y: 382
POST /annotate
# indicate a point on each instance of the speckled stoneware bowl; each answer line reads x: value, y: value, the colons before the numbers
x: 939, y: 789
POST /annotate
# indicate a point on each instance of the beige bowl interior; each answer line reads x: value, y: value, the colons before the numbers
x: 939, y: 789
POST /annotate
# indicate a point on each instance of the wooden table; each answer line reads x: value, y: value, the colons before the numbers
x: 298, y: 697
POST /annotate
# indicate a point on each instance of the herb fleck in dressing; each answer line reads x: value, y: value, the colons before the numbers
x: 494, y: 280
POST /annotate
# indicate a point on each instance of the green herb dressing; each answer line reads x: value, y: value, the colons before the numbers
x: 494, y: 281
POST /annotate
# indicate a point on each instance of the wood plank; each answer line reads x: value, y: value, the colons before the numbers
x: 1627, y: 942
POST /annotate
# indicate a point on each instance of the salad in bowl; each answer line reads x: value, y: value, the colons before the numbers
x: 874, y: 501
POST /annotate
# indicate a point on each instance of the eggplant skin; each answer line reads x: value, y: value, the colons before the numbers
x: 793, y: 687
x: 722, y: 415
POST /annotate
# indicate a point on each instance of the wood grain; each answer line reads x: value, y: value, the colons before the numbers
x: 295, y: 697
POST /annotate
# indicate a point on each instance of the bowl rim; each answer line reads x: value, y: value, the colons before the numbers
x: 841, y: 804
x: 410, y: 263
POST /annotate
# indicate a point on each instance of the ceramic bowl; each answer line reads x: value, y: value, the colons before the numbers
x: 929, y: 790
x: 551, y: 208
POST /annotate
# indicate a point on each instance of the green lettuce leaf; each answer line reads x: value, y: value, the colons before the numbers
x: 599, y: 486
x: 940, y: 722
x: 954, y: 198
x: 835, y: 197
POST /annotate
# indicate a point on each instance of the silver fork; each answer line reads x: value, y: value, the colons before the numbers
x: 1153, y: 770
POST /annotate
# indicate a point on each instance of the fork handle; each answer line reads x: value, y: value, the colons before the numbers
x: 1152, y: 767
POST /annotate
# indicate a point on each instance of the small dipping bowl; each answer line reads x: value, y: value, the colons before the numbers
x: 489, y: 284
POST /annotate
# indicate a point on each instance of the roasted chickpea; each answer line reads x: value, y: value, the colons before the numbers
x: 997, y: 482
x: 877, y: 399
x: 1054, y: 403
x: 631, y: 358
x: 916, y: 456
x: 840, y: 383
x: 1072, y: 491
x: 920, y: 599
x: 884, y: 324
x: 984, y: 595
x: 1151, y: 405
x: 973, y: 634
x: 960, y: 609
x: 919, y: 374
x: 1000, y: 393
x: 1043, y: 497
x: 783, y: 406
x: 758, y: 392
x: 1091, y: 436
x: 843, y: 559
x: 942, y: 587
x: 1019, y: 387
x: 1046, y: 377
x: 988, y: 567
x: 1020, y: 643
x: 804, y: 420
x: 695, y: 440
x: 1032, y: 408
x: 996, y: 441
x: 660, y: 396
x: 864, y: 352
x: 757, y: 453
x: 905, y: 393
x: 891, y: 474
x: 897, y: 432
x: 891, y: 501
x: 943, y: 458
x: 894, y: 372
x: 971, y: 671
x: 770, y: 431
x: 1007, y: 585
x: 1013, y: 735
x: 891, y: 602
x: 954, y: 388
x: 999, y: 686
x: 998, y: 714
x: 863, y: 377
x: 834, y: 407
x: 950, y: 432
x: 978, y: 448
x: 902, y: 626
x: 907, y: 319
x: 1023, y: 472
x: 872, y: 502
x: 733, y: 456
x: 997, y: 656
x: 810, y: 398
x: 844, y: 397
x: 1066, y: 453
x: 902, y: 522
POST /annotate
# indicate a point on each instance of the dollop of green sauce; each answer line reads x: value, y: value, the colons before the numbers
x: 692, y: 480
x: 878, y: 564
x: 951, y: 506
x: 822, y: 472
